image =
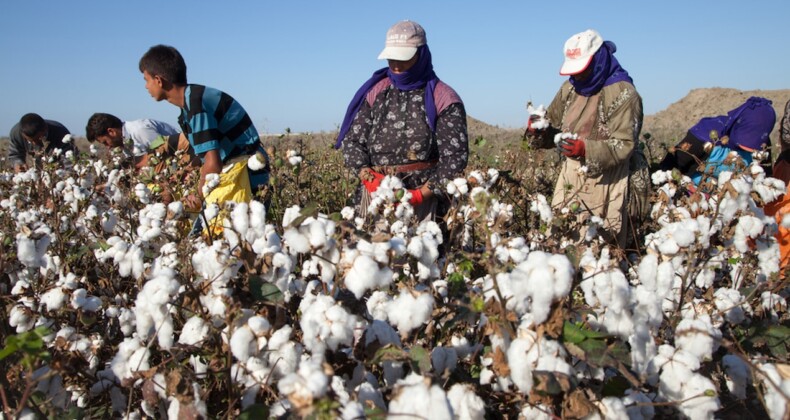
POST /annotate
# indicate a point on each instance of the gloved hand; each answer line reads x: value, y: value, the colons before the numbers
x: 416, y: 197
x: 371, y: 179
x: 573, y: 148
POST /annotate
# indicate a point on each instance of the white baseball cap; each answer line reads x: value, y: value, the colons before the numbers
x: 579, y: 51
x: 402, y: 41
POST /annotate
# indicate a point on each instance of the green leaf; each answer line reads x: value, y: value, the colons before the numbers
x: 309, y: 210
x: 265, y: 291
x: 390, y: 352
x: 255, y: 411
x: 9, y: 349
x: 421, y: 358
x: 576, y: 333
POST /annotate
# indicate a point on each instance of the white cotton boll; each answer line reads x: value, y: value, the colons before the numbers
x: 308, y: 383
x: 68, y: 138
x: 697, y: 337
x: 748, y: 227
x: 541, y: 206
x: 769, y: 189
x: 407, y: 312
x: 347, y: 213
x: 54, y: 299
x: 773, y: 303
x: 81, y: 300
x: 255, y: 163
x: 703, y: 406
x: 732, y: 304
x: 194, y: 332
x: 242, y: 343
x: 738, y: 375
x: 537, y: 412
x: 415, y: 397
x: 365, y: 274
x: 143, y: 193
x: 377, y: 305
x: 21, y: 318
x: 240, y: 217
x: 612, y: 408
x: 176, y: 208
x: 211, y: 211
x: 465, y: 403
x: 211, y: 181
x: 537, y: 117
x: 296, y: 241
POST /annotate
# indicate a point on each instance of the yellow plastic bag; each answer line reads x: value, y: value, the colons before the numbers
x: 234, y: 185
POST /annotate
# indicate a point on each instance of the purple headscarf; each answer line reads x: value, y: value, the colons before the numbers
x: 749, y: 125
x: 606, y: 70
x: 420, y: 75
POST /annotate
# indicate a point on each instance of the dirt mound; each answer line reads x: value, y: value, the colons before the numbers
x: 671, y: 124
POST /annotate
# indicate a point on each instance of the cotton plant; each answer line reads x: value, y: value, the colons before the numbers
x: 153, y: 307
x: 529, y: 353
x: 776, y: 386
x: 325, y: 324
x: 214, y: 268
x: 415, y: 396
x: 608, y: 292
x: 525, y: 288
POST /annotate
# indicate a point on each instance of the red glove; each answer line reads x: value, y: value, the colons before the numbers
x: 416, y: 197
x: 373, y: 185
x: 573, y: 148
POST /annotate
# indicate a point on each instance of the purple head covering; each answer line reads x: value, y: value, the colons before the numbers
x: 420, y: 75
x: 749, y: 125
x: 606, y: 71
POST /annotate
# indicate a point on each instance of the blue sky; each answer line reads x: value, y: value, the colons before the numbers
x: 297, y: 63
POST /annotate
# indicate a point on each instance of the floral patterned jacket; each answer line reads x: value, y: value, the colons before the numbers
x: 391, y: 129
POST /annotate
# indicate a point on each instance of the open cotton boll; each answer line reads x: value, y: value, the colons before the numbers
x: 256, y: 163
x: 132, y: 356
x: 537, y: 412
x: 194, y: 332
x: 537, y: 117
x: 414, y: 396
x: 152, y: 307
x: 308, y: 383
x: 769, y: 189
x: 407, y: 311
x: 775, y: 399
x: 211, y: 181
x: 81, y: 300
x: 748, y: 227
x: 541, y: 206
x: 697, y: 337
x: 612, y: 408
x: 465, y: 403
x: 732, y: 304
x: 773, y: 303
x: 377, y: 305
x: 525, y: 288
x: 324, y: 323
x: 365, y: 274
x: 243, y: 343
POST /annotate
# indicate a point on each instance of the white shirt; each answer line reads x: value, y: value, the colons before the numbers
x: 143, y: 132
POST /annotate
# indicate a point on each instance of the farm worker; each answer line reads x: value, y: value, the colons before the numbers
x: 598, y: 112
x: 406, y: 122
x: 781, y: 208
x: 784, y: 128
x: 34, y: 134
x: 714, y: 141
x: 219, y: 130
x: 137, y: 138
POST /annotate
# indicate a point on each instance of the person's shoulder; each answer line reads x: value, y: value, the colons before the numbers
x: 621, y: 86
x: 444, y: 96
x: 379, y: 87
x: 57, y: 126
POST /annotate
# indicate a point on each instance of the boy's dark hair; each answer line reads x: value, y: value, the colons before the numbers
x: 31, y: 124
x: 166, y: 62
x: 98, y: 124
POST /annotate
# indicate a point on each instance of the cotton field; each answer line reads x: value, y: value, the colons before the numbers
x: 302, y: 309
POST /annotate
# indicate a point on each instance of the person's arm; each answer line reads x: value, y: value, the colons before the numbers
x: 453, y: 143
x: 544, y: 139
x: 17, y: 152
x: 355, y: 145
x: 785, y: 128
x: 212, y: 164
x: 624, y: 109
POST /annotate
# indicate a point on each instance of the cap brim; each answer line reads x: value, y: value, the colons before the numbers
x: 398, y: 53
x: 574, y: 67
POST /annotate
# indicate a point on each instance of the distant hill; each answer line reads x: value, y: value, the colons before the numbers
x: 672, y: 123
